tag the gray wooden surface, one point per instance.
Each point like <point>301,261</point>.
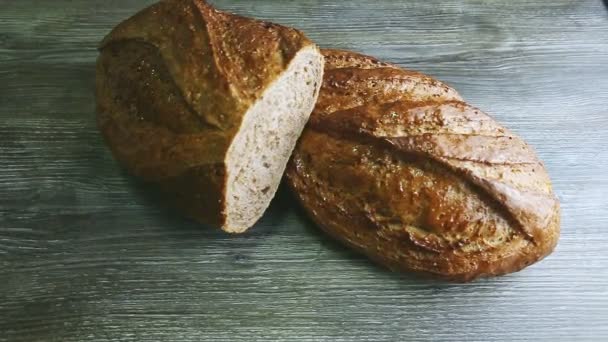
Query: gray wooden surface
<point>89,254</point>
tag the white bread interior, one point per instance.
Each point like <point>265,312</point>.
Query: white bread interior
<point>259,152</point>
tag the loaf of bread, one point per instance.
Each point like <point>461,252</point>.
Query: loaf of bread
<point>398,166</point>
<point>206,104</point>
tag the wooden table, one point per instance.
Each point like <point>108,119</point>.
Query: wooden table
<point>89,254</point>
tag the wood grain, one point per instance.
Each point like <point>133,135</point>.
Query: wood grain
<point>88,253</point>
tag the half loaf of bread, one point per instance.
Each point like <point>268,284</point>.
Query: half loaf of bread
<point>396,165</point>
<point>207,104</point>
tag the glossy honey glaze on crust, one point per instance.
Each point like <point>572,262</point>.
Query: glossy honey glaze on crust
<point>395,164</point>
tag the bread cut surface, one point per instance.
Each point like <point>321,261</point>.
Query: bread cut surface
<point>206,104</point>
<point>258,155</point>
<point>395,164</point>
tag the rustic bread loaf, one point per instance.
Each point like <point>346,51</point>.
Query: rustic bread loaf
<point>207,104</point>
<point>395,164</point>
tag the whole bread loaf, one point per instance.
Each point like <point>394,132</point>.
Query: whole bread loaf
<point>398,166</point>
<point>206,104</point>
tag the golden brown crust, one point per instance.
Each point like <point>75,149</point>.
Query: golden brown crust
<point>173,84</point>
<point>394,164</point>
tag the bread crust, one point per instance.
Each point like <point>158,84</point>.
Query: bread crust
<point>396,165</point>
<point>173,85</point>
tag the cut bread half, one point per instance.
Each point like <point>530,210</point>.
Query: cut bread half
<point>206,104</point>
